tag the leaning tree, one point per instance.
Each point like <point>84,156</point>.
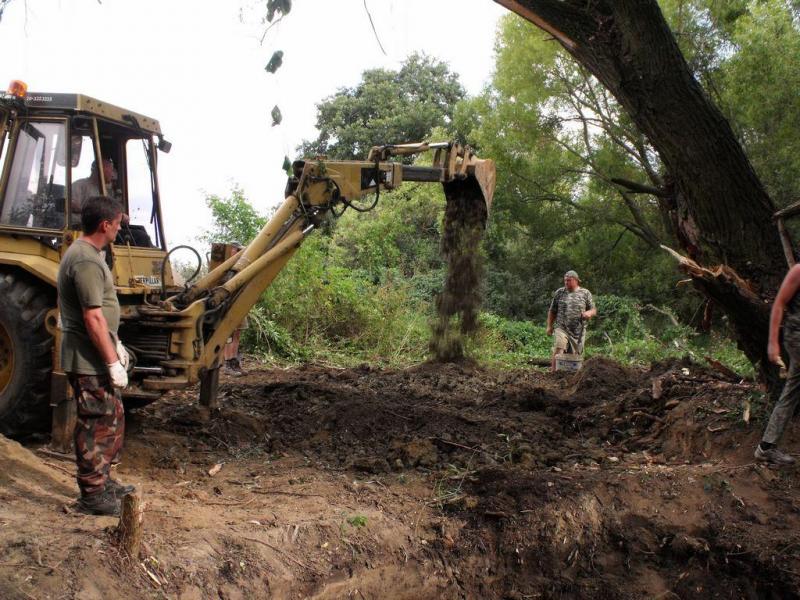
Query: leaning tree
<point>722,214</point>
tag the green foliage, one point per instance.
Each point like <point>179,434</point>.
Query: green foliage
<point>758,86</point>
<point>618,317</point>
<point>357,521</point>
<point>325,304</point>
<point>624,330</point>
<point>747,54</point>
<point>233,219</point>
<point>398,239</point>
<point>363,289</point>
<point>386,107</point>
<point>266,337</point>
<point>364,292</point>
<point>558,139</point>
<point>359,292</point>
<point>635,333</point>
<point>518,337</point>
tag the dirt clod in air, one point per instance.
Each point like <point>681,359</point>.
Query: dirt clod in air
<point>459,302</point>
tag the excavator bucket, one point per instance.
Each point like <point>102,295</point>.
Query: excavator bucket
<point>469,176</point>
<point>471,193</point>
<point>485,174</point>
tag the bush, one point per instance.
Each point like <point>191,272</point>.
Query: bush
<point>618,317</point>
<point>364,289</point>
<point>523,337</point>
<point>264,336</point>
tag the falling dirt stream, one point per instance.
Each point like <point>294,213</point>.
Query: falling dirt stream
<point>459,302</point>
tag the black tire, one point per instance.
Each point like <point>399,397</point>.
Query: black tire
<point>25,354</point>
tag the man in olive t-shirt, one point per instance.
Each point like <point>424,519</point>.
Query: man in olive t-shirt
<point>571,307</point>
<point>92,356</point>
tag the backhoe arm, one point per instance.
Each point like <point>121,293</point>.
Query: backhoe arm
<point>319,188</point>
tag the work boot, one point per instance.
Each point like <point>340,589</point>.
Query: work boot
<point>233,367</point>
<point>118,489</point>
<point>773,456</point>
<point>101,503</point>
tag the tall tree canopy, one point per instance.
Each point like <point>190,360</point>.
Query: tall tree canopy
<point>722,210</point>
<point>562,142</point>
<point>386,107</point>
<point>559,139</point>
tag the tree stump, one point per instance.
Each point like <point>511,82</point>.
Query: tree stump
<point>129,530</point>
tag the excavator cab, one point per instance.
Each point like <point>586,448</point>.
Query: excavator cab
<point>56,150</point>
<point>59,149</point>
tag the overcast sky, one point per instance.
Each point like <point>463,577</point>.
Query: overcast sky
<point>198,67</point>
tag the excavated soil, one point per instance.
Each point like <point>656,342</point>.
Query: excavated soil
<point>438,481</point>
<point>459,302</point>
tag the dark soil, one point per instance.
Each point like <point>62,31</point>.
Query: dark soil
<point>438,481</point>
<point>459,302</point>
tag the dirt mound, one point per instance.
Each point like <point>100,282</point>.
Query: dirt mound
<point>378,420</point>
<point>24,473</point>
<point>602,379</point>
<point>442,480</point>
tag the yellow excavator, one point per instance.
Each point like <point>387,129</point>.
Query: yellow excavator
<point>55,147</point>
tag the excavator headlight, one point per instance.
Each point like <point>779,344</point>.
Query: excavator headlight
<point>17,88</point>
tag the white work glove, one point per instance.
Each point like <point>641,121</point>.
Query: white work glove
<point>123,355</point>
<point>118,375</point>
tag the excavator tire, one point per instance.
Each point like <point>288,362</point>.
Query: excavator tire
<point>25,354</point>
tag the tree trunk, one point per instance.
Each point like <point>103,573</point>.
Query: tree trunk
<point>629,47</point>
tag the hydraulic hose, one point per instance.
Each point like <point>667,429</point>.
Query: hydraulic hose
<point>164,267</point>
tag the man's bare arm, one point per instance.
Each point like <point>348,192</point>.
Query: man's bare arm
<point>97,328</point>
<point>789,287</point>
<point>551,317</point>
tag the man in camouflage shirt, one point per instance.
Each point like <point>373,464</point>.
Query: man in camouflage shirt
<point>571,307</point>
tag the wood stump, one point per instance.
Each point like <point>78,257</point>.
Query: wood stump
<point>129,530</point>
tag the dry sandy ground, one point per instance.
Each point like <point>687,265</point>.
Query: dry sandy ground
<point>440,481</point>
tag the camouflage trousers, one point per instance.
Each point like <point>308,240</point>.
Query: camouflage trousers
<point>99,430</point>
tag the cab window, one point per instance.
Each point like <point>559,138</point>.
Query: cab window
<point>35,193</point>
<point>143,229</point>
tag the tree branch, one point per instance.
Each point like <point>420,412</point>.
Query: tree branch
<point>648,235</point>
<point>602,122</point>
<point>640,228</point>
<point>639,188</point>
<point>565,20</point>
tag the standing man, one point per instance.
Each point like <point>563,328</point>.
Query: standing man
<point>92,356</point>
<point>571,307</point>
<point>787,304</point>
<point>231,354</point>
